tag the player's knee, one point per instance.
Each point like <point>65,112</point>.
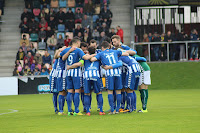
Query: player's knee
<point>99,93</point>
<point>88,94</point>
<point>110,91</point>
<point>118,91</point>
<point>71,90</point>
<point>78,91</point>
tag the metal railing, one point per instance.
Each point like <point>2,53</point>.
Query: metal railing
<point>166,43</point>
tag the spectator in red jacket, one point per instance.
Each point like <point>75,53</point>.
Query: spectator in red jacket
<point>120,33</point>
<point>43,24</point>
<point>30,58</point>
<point>67,41</point>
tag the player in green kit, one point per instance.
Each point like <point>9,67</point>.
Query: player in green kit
<point>144,82</point>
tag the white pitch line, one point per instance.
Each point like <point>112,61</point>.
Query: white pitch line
<point>12,111</point>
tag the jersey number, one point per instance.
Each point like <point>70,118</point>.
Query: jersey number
<point>70,59</point>
<point>111,59</point>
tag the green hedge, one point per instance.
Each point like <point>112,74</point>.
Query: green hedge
<point>181,75</point>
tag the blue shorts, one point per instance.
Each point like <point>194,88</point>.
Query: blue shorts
<point>123,80</point>
<point>92,84</point>
<point>61,84</point>
<point>114,82</point>
<point>52,83</point>
<point>73,82</point>
<point>132,80</point>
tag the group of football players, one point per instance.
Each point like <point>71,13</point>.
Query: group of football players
<point>79,68</point>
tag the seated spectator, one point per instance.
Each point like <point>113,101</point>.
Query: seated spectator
<point>95,34</point>
<point>70,25</point>
<point>85,22</point>
<point>106,14</point>
<point>27,71</point>
<point>38,58</point>
<point>33,65</point>
<point>26,14</point>
<point>60,17</point>
<point>46,58</point>
<point>88,8</point>
<point>102,37</point>
<point>104,28</point>
<point>28,3</point>
<point>60,42</point>
<point>30,58</point>
<point>43,24</point>
<point>88,31</point>
<point>24,26</point>
<point>78,16</point>
<point>79,3</point>
<point>107,22</point>
<point>51,42</point>
<point>70,15</point>
<point>44,4</point>
<point>20,54</point>
<point>33,26</point>
<point>24,47</point>
<point>33,49</point>
<point>112,32</point>
<point>86,38</point>
<point>52,23</point>
<point>42,35</point>
<point>43,14</point>
<point>24,40</point>
<point>52,12</point>
<point>77,30</point>
<point>67,40</point>
<point>44,72</point>
<point>30,50</point>
<point>36,71</point>
<point>120,33</point>
<point>80,36</point>
<point>49,32</point>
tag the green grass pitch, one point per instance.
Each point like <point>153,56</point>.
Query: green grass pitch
<point>174,107</point>
<point>170,111</point>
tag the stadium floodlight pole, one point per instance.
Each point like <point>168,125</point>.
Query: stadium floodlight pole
<point>132,23</point>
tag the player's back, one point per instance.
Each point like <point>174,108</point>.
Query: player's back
<point>91,69</point>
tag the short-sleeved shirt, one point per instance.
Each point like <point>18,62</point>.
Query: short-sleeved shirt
<point>144,65</point>
<point>109,57</point>
<point>73,57</point>
<point>91,69</point>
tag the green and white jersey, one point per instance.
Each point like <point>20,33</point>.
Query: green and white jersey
<point>144,65</point>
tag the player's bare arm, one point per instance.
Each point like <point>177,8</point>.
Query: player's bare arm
<point>75,65</point>
<point>57,54</point>
<point>88,57</point>
<point>67,54</point>
<point>131,52</point>
<point>125,54</point>
<point>93,59</point>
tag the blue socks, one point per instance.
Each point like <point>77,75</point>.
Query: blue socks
<point>98,106</point>
<point>114,95</point>
<point>69,101</point>
<point>82,99</point>
<point>90,100</point>
<point>111,101</point>
<point>130,102</point>
<point>119,99</point>
<point>87,103</point>
<point>123,100</point>
<point>55,101</point>
<point>61,101</point>
<point>100,102</point>
<point>134,100</point>
<point>76,102</point>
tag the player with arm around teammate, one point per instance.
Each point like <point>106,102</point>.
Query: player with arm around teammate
<point>113,76</point>
<point>74,75</point>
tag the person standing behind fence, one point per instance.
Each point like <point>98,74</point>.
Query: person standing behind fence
<point>194,46</point>
<point>156,47</point>
<point>169,38</point>
<point>182,37</point>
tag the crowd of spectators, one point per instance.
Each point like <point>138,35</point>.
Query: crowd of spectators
<point>47,25</point>
<point>177,51</point>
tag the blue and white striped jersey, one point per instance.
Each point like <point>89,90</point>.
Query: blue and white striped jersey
<point>73,57</point>
<point>131,64</point>
<point>109,57</point>
<point>60,70</point>
<point>54,67</point>
<point>91,69</point>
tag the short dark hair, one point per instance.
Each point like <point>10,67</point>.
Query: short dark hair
<point>83,44</point>
<point>91,50</point>
<point>75,40</point>
<point>107,39</point>
<point>105,44</point>
<point>92,41</point>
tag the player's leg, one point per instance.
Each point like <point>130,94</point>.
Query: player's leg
<point>87,89</point>
<point>55,101</point>
<point>118,88</point>
<point>52,82</point>
<point>123,99</point>
<point>82,99</point>
<point>143,88</point>
<point>110,87</point>
<point>137,78</point>
<point>98,87</point>
<point>70,93</point>
<point>61,98</point>
<point>77,87</point>
<point>115,99</point>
